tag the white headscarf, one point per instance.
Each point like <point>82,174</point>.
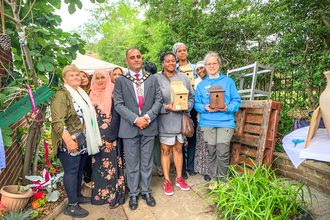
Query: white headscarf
<point>93,137</point>
<point>175,47</point>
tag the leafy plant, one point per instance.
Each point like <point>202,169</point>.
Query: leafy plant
<point>7,140</point>
<point>40,182</point>
<point>21,215</point>
<point>260,195</point>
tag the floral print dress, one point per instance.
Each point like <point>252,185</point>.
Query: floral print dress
<point>201,164</point>
<point>107,167</point>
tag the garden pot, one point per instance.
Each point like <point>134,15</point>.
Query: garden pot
<point>14,200</point>
<point>325,103</point>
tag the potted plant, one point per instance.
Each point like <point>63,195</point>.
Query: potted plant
<point>14,198</point>
<point>260,195</point>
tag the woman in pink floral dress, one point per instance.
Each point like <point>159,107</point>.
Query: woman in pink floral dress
<point>107,175</point>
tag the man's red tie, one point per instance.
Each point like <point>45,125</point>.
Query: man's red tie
<point>139,97</point>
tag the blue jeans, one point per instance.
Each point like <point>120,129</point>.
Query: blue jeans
<point>73,171</point>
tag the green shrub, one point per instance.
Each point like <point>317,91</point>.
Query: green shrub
<point>260,195</point>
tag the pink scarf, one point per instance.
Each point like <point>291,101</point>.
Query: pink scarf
<point>102,97</point>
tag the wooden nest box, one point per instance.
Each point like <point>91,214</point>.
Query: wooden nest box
<point>179,95</point>
<point>189,71</point>
<point>217,97</point>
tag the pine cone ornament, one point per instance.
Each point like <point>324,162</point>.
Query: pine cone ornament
<point>5,41</point>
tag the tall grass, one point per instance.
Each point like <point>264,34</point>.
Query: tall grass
<point>258,196</point>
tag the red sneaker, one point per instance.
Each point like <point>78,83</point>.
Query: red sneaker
<point>180,182</point>
<point>168,190</point>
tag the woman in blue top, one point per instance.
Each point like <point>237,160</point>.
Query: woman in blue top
<point>217,124</point>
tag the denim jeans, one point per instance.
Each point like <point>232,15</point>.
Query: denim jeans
<point>73,171</point>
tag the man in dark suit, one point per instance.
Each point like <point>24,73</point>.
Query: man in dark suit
<point>138,100</point>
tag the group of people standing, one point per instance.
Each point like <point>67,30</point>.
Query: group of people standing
<point>127,122</point>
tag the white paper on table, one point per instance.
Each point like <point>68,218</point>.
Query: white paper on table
<point>318,148</point>
<point>294,152</point>
<point>2,153</point>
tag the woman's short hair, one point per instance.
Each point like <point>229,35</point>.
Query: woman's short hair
<point>150,67</point>
<point>164,55</point>
<point>212,54</point>
<point>68,68</point>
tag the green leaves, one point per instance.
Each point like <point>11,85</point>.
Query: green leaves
<point>7,140</point>
<point>72,5</point>
<point>45,64</point>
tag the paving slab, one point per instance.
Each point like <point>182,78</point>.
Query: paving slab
<point>182,204</point>
<point>320,207</point>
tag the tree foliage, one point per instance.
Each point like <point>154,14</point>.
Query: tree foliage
<point>40,61</point>
<point>292,35</point>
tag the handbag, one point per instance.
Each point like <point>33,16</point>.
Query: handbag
<point>187,125</point>
<point>78,137</point>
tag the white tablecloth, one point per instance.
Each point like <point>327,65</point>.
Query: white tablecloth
<point>318,148</point>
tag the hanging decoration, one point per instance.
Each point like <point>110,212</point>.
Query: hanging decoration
<point>5,41</point>
<point>2,153</point>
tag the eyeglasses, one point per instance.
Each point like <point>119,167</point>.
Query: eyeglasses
<point>211,64</point>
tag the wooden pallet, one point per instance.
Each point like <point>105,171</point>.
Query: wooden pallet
<point>255,132</point>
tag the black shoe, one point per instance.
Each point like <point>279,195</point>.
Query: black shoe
<point>150,200</point>
<point>75,211</point>
<point>133,202</point>
<point>192,173</point>
<point>207,178</point>
<point>184,175</point>
<point>84,200</point>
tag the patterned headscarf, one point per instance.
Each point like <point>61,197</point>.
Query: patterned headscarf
<point>88,86</point>
<point>102,97</point>
<point>175,47</point>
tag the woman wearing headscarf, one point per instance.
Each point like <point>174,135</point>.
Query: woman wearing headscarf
<point>108,176</point>
<point>114,73</point>
<point>201,165</point>
<point>169,122</point>
<point>181,53</point>
<point>86,86</point>
<point>73,115</point>
<point>85,83</point>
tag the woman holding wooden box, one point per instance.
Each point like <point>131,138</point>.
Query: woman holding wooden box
<point>169,121</point>
<point>217,124</point>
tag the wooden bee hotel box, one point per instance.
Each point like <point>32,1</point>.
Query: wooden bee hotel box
<point>189,71</point>
<point>217,97</point>
<point>179,95</point>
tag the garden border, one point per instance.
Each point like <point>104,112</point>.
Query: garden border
<point>58,210</point>
<point>313,173</point>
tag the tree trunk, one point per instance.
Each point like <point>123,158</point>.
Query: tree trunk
<point>36,146</point>
<point>29,150</point>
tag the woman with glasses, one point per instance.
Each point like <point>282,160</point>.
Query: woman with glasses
<point>217,124</point>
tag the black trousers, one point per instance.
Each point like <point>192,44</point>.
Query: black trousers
<point>73,170</point>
